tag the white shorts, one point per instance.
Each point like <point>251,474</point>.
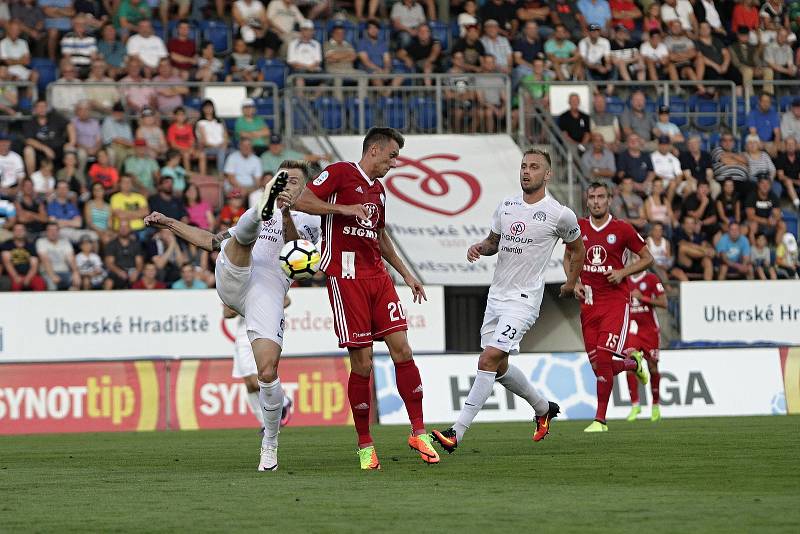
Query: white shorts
<point>256,296</point>
<point>244,363</point>
<point>505,323</point>
<point>20,72</point>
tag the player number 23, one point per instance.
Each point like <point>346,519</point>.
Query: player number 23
<point>396,311</point>
<point>510,332</point>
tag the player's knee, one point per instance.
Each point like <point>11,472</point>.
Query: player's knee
<point>362,368</point>
<point>489,360</point>
<point>402,353</point>
<point>268,373</point>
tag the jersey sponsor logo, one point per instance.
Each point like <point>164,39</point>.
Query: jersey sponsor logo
<point>319,180</point>
<point>374,215</point>
<point>612,238</point>
<point>596,255</point>
<point>360,232</point>
<point>511,203</point>
<point>540,216</point>
<point>517,228</point>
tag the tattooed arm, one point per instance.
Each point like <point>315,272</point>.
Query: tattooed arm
<point>487,247</point>
<point>191,234</point>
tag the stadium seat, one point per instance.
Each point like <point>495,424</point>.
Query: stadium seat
<point>441,32</point>
<point>424,113</point>
<point>352,105</point>
<point>158,28</point>
<point>726,105</point>
<point>265,106</point>
<point>210,189</point>
<point>713,141</point>
<point>330,113</point>
<point>792,223</point>
<point>677,111</point>
<point>615,105</point>
<point>274,70</point>
<point>193,102</point>
<point>320,33</point>
<point>395,114</point>
<point>785,102</point>
<point>455,30</point>
<point>710,110</point>
<point>301,122</point>
<point>48,72</point>
<point>218,34</point>
<point>650,106</point>
<point>400,68</point>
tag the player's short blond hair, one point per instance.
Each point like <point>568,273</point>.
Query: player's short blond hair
<point>299,164</point>
<point>538,152</point>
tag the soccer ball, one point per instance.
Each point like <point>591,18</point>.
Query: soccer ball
<point>299,259</point>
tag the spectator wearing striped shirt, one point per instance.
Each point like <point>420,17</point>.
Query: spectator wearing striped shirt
<point>79,47</point>
<point>758,160</point>
<point>729,164</point>
<point>498,46</point>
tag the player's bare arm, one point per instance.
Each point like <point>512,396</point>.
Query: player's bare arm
<point>309,203</point>
<point>569,259</point>
<point>573,263</point>
<point>487,247</point>
<point>191,234</point>
<point>659,301</point>
<point>228,313</point>
<point>390,255</point>
<point>645,260</point>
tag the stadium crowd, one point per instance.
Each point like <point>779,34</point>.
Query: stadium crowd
<point>80,168</point>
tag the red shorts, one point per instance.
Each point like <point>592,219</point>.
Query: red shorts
<point>605,326</point>
<point>645,338</point>
<point>365,309</point>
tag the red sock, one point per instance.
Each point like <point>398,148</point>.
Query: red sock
<point>605,381</point>
<point>633,387</point>
<point>617,366</point>
<point>360,396</point>
<point>655,379</point>
<point>409,385</point>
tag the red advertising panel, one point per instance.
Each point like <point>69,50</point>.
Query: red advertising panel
<point>81,397</point>
<point>206,396</point>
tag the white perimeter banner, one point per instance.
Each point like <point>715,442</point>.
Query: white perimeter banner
<point>440,200</point>
<point>51,326</point>
<point>741,311</point>
<point>693,383</point>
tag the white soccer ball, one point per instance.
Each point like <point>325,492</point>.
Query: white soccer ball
<point>299,259</point>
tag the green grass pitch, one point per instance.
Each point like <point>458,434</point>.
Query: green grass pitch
<point>690,475</point>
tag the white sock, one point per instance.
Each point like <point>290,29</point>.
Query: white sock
<point>514,381</point>
<point>480,391</point>
<point>271,397</point>
<point>247,228</point>
<point>255,405</point>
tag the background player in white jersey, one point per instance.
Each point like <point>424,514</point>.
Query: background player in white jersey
<point>251,281</point>
<point>525,229</point>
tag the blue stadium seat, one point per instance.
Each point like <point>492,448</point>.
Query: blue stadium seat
<point>158,27</point>
<point>704,105</point>
<point>650,106</point>
<point>193,102</point>
<point>48,72</point>
<point>353,105</point>
<point>455,30</point>
<point>424,113</point>
<point>792,223</point>
<point>218,33</point>
<point>786,102</point>
<point>330,113</point>
<point>274,70</point>
<point>395,114</point>
<point>301,122</point>
<point>615,105</point>
<point>441,32</point>
<point>713,140</point>
<point>320,33</point>
<point>400,68</point>
<point>726,105</point>
<point>677,111</point>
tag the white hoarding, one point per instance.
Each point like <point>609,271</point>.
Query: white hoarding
<point>693,383</point>
<point>120,324</point>
<point>741,311</point>
<point>440,200</point>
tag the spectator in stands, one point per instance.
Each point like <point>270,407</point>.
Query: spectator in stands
<point>142,166</point>
<point>469,50</point>
<point>713,60</point>
<point>628,206</point>
<point>652,18</point>
<point>598,162</point>
<point>150,130</point>
<point>763,212</point>
<point>461,98</point>
<point>565,12</point>
<point>279,152</point>
<point>252,127</point>
<point>112,50</point>
<point>682,11</point>
<point>209,67</point>
<point>658,207</point>
<point>117,135</point>
<point>727,163</point>
<point>786,258</point>
<point>745,16</point>
<point>596,56</point>
<point>372,9</point>
<point>44,182</point>
<point>83,134</point>
<point>304,55</point>
<point>79,47</point>
<point>748,60</point>
<point>128,205</point>
<point>148,279</point>
<point>733,253</point>
<point>406,17</point>
<point>167,202</point>
<point>242,168</point>
<point>694,252</point>
<point>635,119</point>
<point>180,137</point>
<point>788,170</point>
<point>97,213</point>
<point>422,54</point>
<point>15,52</point>
<point>701,207</point>
<point>764,122</point>
<point>103,172</point>
<point>637,164</point>
<point>138,94</point>
<point>605,123</point>
<point>761,256</point>
<point>696,165</point>
<point>30,208</point>
<point>57,260</point>
<point>625,14</point>
<point>31,21</point>
<point>70,173</point>
<point>656,56</point>
<point>373,53</point>
<point>212,137</point>
<point>790,121</point>
<point>198,211</point>
<point>682,53</point>
<point>758,161</point>
<point>63,210</point>
<point>283,15</point>
<point>102,97</point>
<point>502,12</point>
<point>661,249</point>
<point>663,126</point>
<point>594,12</point>
<point>625,55</point>
<point>233,209</point>
<point>166,254</point>
<point>169,98</point>
<point>243,65</point>
<point>123,259</point>
<point>563,54</point>
<point>729,206</point>
<point>20,262</point>
<point>252,25</point>
<point>188,280</point>
<point>69,90</point>
<point>526,49</point>
<point>534,85</point>
<point>574,124</point>
<point>146,46</point>
<point>182,50</point>
<point>9,96</point>
<point>57,21</point>
<point>7,218</point>
<point>536,11</point>
<point>339,58</point>
<point>779,57</point>
<point>129,14</point>
<point>90,266</point>
<point>491,96</point>
<point>497,45</point>
<point>174,170</point>
<point>12,170</point>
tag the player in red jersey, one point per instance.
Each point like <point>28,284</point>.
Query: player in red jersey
<point>604,294</point>
<point>647,294</point>
<point>365,304</point>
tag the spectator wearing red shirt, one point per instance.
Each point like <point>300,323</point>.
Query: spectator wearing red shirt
<point>103,172</point>
<point>624,13</point>
<point>183,50</point>
<point>745,14</point>
<point>233,208</point>
<point>180,137</point>
<point>148,279</point>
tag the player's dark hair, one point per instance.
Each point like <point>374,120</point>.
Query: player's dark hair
<point>599,185</point>
<point>382,136</point>
<point>538,152</point>
<point>296,164</point>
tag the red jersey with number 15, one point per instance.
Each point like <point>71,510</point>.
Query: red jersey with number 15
<point>351,246</point>
<point>605,251</point>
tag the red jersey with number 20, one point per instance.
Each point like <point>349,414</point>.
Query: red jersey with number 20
<point>605,251</point>
<point>650,286</point>
<point>351,246</point>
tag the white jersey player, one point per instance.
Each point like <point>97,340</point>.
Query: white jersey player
<point>524,231</point>
<point>251,281</point>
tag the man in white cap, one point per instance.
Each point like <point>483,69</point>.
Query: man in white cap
<point>304,54</point>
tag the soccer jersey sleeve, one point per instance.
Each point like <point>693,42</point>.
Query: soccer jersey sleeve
<point>325,183</point>
<point>308,226</point>
<point>567,226</point>
<point>496,227</point>
<point>633,241</point>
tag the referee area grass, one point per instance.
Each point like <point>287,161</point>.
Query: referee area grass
<point>693,475</point>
